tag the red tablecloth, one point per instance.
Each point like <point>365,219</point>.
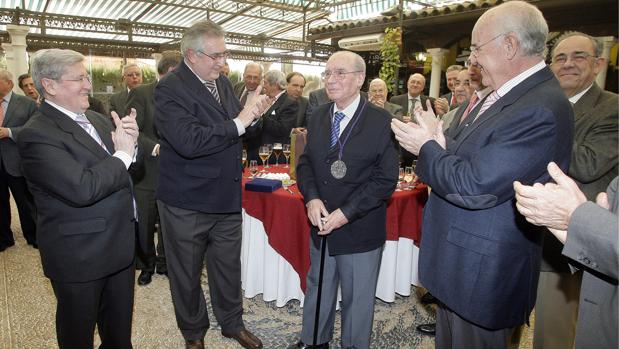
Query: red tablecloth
<point>285,220</point>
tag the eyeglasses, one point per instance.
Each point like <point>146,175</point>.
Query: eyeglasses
<point>337,74</point>
<point>576,57</point>
<point>81,79</point>
<point>475,49</point>
<point>469,64</point>
<point>215,56</point>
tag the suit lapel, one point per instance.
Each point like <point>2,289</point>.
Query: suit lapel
<point>508,99</point>
<point>69,125</point>
<point>586,102</point>
<point>103,132</point>
<point>12,106</point>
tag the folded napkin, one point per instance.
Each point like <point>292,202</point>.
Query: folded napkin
<point>263,185</point>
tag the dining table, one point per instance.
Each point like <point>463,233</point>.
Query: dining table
<point>275,245</point>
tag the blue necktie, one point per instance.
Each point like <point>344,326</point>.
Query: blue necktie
<point>335,127</point>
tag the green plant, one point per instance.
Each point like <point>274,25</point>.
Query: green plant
<point>390,57</point>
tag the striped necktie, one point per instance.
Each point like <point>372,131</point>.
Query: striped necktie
<point>335,127</point>
<point>213,89</point>
<point>84,123</point>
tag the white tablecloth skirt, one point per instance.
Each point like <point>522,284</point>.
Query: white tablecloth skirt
<point>265,272</point>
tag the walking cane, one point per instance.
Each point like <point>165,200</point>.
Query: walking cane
<point>323,247</point>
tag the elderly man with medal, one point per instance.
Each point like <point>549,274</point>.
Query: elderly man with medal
<point>347,173</point>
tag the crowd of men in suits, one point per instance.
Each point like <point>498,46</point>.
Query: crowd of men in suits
<point>490,150</point>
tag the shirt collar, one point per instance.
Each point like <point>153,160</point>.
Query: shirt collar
<point>483,93</point>
<point>194,73</point>
<point>65,111</point>
<point>7,98</point>
<point>577,96</point>
<point>350,110</point>
<point>513,82</point>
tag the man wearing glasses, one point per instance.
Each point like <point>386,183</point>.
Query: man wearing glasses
<point>346,180</point>
<point>199,185</point>
<point>576,61</point>
<point>479,257</point>
<point>132,78</point>
<point>252,77</point>
<point>77,171</point>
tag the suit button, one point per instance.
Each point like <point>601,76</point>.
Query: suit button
<point>324,201</point>
<point>324,182</point>
<point>236,179</point>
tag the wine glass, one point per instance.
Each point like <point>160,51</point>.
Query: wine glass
<point>253,168</point>
<point>270,151</point>
<point>244,158</point>
<point>286,149</point>
<point>408,177</point>
<point>400,179</point>
<point>277,149</point>
<point>263,152</point>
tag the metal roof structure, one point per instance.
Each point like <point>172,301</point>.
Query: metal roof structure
<point>257,29</point>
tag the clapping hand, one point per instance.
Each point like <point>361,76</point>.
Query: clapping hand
<point>255,107</point>
<point>125,136</point>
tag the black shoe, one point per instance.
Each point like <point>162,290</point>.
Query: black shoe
<point>429,329</point>
<point>428,298</point>
<point>301,345</point>
<point>145,278</point>
<point>162,270</point>
<point>194,344</point>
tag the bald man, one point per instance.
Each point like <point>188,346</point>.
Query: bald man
<point>377,95</point>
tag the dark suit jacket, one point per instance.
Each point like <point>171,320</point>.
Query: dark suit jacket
<point>402,100</point>
<point>301,117</point>
<point>19,110</point>
<point>142,99</point>
<point>273,127</point>
<point>478,255</point>
<point>593,242</point>
<point>97,106</point>
<point>316,98</point>
<point>85,217</point>
<point>372,172</point>
<point>394,109</point>
<point>200,156</point>
<point>594,157</point>
<point>239,87</point>
<point>118,102</point>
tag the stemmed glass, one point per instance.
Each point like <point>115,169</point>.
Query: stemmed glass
<point>408,177</point>
<point>253,168</point>
<point>286,150</point>
<point>244,158</point>
<point>400,179</point>
<point>270,151</point>
<point>263,152</point>
<point>277,149</point>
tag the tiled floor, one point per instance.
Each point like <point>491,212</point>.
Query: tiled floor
<point>27,308</point>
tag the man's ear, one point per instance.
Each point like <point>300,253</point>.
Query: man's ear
<point>49,87</point>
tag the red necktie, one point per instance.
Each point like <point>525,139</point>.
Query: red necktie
<point>453,101</point>
<point>472,103</point>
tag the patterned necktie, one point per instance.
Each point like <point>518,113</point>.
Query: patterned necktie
<point>335,127</point>
<point>453,100</point>
<point>412,105</point>
<point>213,88</point>
<point>470,107</point>
<point>84,123</point>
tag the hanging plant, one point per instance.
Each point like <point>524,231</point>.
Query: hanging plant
<point>390,57</point>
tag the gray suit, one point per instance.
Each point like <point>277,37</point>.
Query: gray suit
<point>118,102</point>
<point>301,116</point>
<point>593,165</point>
<point>17,113</point>
<point>145,179</point>
<point>394,109</point>
<point>402,100</point>
<point>593,242</point>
